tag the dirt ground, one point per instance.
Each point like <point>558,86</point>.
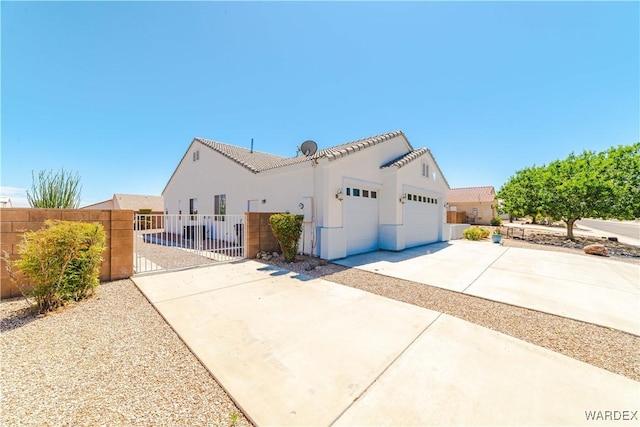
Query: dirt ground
<point>555,238</point>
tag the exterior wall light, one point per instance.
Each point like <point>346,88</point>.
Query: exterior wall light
<point>340,194</point>
<point>403,199</point>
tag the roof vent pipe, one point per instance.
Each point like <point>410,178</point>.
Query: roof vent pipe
<point>251,145</point>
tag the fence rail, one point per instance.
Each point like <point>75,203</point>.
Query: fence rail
<point>171,242</point>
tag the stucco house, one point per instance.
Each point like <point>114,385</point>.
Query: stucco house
<point>374,193</point>
<point>133,202</point>
<point>478,203</point>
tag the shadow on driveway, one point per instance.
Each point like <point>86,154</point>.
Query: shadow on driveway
<point>392,256</point>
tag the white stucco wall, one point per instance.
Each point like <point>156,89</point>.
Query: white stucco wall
<point>311,183</point>
<point>408,179</point>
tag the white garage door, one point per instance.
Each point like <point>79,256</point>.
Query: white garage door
<point>421,219</point>
<point>361,219</point>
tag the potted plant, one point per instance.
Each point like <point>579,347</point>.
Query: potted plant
<point>497,235</point>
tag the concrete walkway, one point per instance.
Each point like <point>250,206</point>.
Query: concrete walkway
<point>291,350</point>
<point>587,288</point>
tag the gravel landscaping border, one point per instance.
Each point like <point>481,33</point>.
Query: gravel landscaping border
<point>109,360</point>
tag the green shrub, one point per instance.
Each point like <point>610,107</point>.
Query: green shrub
<point>61,261</point>
<point>475,233</point>
<point>287,228</point>
<point>496,221</point>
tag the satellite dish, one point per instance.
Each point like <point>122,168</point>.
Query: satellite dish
<point>309,148</point>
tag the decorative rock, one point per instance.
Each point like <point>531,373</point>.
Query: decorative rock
<point>275,254</point>
<point>596,250</point>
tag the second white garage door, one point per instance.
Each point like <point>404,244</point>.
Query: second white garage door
<point>360,215</point>
<point>421,219</point>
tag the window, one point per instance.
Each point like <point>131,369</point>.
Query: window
<point>425,170</point>
<point>193,207</point>
<point>435,201</point>
<point>196,155</point>
<point>356,192</point>
<point>419,198</point>
<point>219,206</point>
<point>374,195</point>
<point>365,193</point>
<point>348,191</point>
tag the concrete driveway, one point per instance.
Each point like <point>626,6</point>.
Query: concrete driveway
<point>291,350</point>
<point>587,288</point>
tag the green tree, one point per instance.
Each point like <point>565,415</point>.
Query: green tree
<point>574,188</point>
<point>587,185</point>
<point>621,169</point>
<point>521,194</point>
<point>56,190</point>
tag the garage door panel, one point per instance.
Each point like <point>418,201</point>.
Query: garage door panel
<point>361,222</point>
<point>421,220</point>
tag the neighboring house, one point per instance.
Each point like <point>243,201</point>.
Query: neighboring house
<point>5,202</point>
<point>375,193</point>
<point>478,203</point>
<point>132,202</point>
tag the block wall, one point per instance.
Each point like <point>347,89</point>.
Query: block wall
<point>117,258</point>
<point>259,235</point>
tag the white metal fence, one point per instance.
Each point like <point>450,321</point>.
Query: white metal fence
<point>171,242</point>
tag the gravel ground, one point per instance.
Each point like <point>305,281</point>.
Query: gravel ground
<point>109,360</point>
<point>603,347</point>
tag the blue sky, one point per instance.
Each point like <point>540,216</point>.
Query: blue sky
<point>117,90</point>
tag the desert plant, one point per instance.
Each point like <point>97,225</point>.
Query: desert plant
<point>475,233</point>
<point>287,229</point>
<point>496,221</point>
<point>60,262</point>
<point>59,190</point>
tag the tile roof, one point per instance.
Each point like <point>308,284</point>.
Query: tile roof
<point>412,155</point>
<point>405,159</point>
<point>471,195</point>
<point>338,151</point>
<point>257,161</point>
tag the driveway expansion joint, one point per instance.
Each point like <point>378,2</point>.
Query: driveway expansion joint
<point>391,363</point>
<point>484,271</point>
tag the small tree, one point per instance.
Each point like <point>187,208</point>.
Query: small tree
<point>287,228</point>
<point>55,190</point>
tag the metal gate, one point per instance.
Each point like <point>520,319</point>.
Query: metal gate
<point>173,242</point>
